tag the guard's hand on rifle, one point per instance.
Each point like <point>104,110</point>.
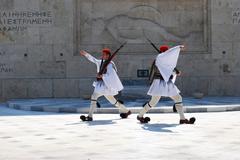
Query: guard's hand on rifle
<point>182,47</point>
<point>99,76</point>
<point>83,53</point>
<point>179,73</point>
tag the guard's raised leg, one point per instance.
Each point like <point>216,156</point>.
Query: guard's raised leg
<point>124,112</point>
<point>179,107</point>
<point>146,107</point>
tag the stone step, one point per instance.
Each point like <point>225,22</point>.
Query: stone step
<point>82,106</point>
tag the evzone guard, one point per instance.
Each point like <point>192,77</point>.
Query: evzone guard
<point>162,77</point>
<point>107,84</point>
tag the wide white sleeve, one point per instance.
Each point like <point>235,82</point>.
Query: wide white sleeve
<point>111,79</point>
<point>167,61</point>
<point>91,58</point>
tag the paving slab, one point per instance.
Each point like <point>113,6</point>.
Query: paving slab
<point>28,135</point>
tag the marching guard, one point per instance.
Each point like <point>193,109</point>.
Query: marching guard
<point>162,77</point>
<point>107,84</point>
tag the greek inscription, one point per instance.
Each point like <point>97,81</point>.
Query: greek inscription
<point>4,68</point>
<point>21,20</point>
<point>236,16</point>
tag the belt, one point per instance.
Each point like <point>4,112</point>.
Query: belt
<point>161,77</point>
<point>99,79</point>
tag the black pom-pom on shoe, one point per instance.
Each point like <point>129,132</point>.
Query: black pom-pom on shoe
<point>147,119</point>
<point>192,120</point>
<point>84,118</point>
<point>143,119</point>
<point>125,115</point>
<point>186,121</point>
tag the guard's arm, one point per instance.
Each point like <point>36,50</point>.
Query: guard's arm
<point>89,56</point>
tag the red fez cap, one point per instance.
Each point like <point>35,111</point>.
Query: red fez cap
<point>164,48</point>
<point>106,50</point>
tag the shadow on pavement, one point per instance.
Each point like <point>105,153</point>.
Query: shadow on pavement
<point>96,122</point>
<point>159,127</point>
<point>101,122</point>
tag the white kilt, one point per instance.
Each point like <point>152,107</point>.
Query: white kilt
<point>102,89</point>
<point>162,88</point>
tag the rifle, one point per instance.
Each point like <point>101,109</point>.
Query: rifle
<point>153,45</point>
<point>107,62</point>
<point>151,76</point>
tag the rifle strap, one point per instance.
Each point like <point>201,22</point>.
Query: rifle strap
<point>101,65</point>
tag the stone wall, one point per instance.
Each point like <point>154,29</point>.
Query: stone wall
<point>40,40</point>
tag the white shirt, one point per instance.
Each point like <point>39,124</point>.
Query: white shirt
<point>111,83</point>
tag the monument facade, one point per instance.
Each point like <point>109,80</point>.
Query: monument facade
<point>40,42</point>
